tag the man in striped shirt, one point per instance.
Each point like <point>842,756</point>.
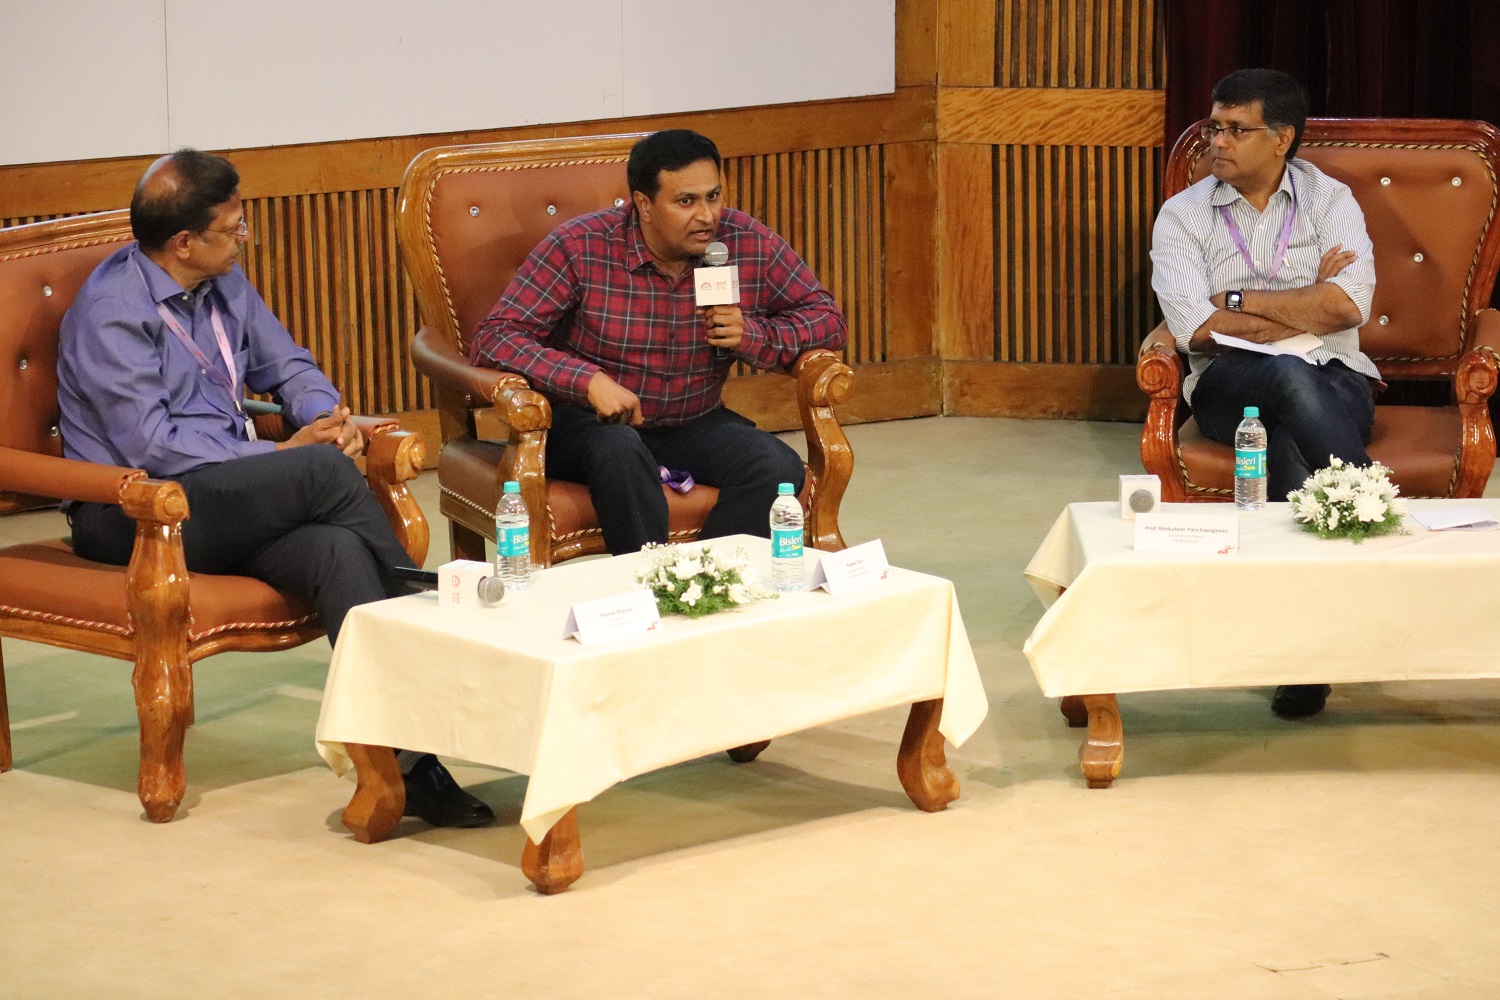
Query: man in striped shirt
<point>602,319</point>
<point>1266,248</point>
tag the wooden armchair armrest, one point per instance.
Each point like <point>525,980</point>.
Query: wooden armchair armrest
<point>393,458</point>
<point>1158,371</point>
<point>67,478</point>
<point>823,381</point>
<point>435,356</point>
<point>1473,384</point>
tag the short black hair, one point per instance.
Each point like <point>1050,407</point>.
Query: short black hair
<point>182,193</point>
<point>669,149</point>
<point>1283,99</point>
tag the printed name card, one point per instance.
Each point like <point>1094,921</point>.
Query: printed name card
<point>1214,534</point>
<point>609,618</point>
<point>857,566</point>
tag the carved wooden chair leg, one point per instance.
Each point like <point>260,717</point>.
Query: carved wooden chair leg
<point>189,699</point>
<point>921,764</point>
<point>379,793</point>
<point>162,781</point>
<point>6,762</point>
<point>748,752</point>
<point>465,541</point>
<point>557,862</point>
<point>1074,711</point>
<point>1103,751</point>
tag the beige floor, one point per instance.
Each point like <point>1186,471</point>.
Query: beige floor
<point>1354,855</point>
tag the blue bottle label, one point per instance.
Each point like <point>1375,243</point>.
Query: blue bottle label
<point>786,543</point>
<point>513,541</point>
<point>1250,463</point>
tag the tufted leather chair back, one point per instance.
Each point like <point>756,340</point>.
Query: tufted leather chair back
<point>476,233</point>
<point>42,266</point>
<point>1428,190</point>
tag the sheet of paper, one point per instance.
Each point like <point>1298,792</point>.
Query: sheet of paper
<point>1455,519</point>
<point>1301,345</point>
<point>1211,534</point>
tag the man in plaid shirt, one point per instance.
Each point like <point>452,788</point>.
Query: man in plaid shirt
<point>602,319</point>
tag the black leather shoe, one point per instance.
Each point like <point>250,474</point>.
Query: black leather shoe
<point>1298,701</point>
<point>433,795</point>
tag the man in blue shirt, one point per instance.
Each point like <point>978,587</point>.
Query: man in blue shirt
<point>154,358</point>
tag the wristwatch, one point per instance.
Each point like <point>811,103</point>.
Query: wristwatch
<point>1234,301</point>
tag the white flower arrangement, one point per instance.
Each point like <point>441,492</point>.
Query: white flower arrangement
<point>695,580</point>
<point>1348,501</point>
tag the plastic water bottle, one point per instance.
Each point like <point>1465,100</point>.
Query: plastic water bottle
<point>512,538</point>
<point>786,540</point>
<point>1250,461</point>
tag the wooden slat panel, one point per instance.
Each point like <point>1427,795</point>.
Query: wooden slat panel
<point>368,164</point>
<point>1071,253</point>
<point>1077,43</point>
<point>966,43</point>
<point>1049,117</point>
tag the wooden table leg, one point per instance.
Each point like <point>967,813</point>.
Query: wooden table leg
<point>379,793</point>
<point>921,764</point>
<point>557,862</point>
<point>1104,750</point>
<point>748,752</point>
<point>1074,710</point>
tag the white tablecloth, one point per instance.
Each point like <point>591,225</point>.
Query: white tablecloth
<point>1288,608</point>
<point>500,686</point>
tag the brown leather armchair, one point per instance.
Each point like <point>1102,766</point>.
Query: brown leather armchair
<point>468,218</point>
<point>152,612</point>
<point>1428,190</point>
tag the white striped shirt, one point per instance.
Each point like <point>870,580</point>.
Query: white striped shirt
<point>1193,256</point>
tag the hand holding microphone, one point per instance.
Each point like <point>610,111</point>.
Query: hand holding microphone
<point>717,287</point>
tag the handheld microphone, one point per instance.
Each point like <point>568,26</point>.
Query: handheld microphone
<point>491,589</point>
<point>717,284</point>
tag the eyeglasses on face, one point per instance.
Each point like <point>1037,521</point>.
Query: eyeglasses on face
<point>238,232</point>
<point>1211,131</point>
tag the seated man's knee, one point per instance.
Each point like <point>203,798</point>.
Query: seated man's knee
<point>617,451</point>
<point>774,462</point>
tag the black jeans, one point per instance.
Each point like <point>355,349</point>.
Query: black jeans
<point>619,464</point>
<point>1310,411</point>
<point>303,520</point>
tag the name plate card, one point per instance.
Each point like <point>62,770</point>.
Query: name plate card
<point>857,566</point>
<point>626,616</point>
<point>1212,534</point>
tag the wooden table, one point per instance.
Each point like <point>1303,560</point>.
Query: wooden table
<point>1289,608</point>
<point>502,687</point>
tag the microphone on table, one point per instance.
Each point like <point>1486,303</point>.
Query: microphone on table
<point>717,283</point>
<point>491,588</point>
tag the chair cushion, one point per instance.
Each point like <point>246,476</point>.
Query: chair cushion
<point>46,581</point>
<point>1419,444</point>
<point>467,473</point>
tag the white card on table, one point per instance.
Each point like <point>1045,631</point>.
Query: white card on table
<point>1215,534</point>
<point>630,614</point>
<point>1455,519</point>
<point>856,566</point>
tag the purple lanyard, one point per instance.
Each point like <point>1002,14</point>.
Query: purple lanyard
<point>225,379</point>
<point>1282,242</point>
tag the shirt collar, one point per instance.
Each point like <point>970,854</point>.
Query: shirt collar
<point>637,255</point>
<point>1227,194</point>
<point>162,287</point>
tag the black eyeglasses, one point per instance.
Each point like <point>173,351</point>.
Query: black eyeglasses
<point>1210,131</point>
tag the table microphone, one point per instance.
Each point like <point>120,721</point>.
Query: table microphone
<point>717,284</point>
<point>491,588</point>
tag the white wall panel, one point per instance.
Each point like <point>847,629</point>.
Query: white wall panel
<point>81,79</point>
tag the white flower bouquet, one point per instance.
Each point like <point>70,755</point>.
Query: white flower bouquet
<point>696,581</point>
<point>1348,501</point>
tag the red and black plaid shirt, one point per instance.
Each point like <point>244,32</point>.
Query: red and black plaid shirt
<point>589,299</point>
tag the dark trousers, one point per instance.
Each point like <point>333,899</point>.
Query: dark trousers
<point>620,466</point>
<point>302,519</point>
<point>1311,412</point>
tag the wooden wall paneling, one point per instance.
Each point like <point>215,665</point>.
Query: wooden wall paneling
<point>1051,116</point>
<point>965,252</point>
<point>916,43</point>
<point>1044,391</point>
<point>966,43</point>
<point>909,236</point>
<point>1078,44</point>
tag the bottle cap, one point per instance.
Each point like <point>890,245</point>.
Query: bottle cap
<point>785,490</point>
<point>1252,411</point>
<point>512,486</point>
